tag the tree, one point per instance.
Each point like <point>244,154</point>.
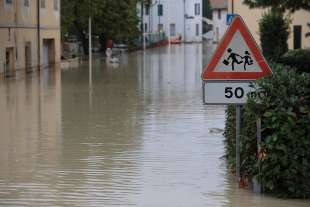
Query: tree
<point>274,32</point>
<point>282,5</point>
<point>207,13</point>
<point>115,20</point>
<point>206,9</point>
<point>120,22</point>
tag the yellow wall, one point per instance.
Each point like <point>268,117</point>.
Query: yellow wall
<point>252,17</point>
<point>18,25</point>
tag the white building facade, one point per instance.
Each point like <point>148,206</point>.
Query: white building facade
<point>219,14</point>
<point>174,18</point>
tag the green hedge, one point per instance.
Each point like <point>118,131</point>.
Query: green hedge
<point>299,59</point>
<point>285,157</point>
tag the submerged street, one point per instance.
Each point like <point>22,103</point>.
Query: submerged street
<point>135,134</point>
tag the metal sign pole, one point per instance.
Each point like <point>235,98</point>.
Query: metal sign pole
<point>238,127</point>
<point>257,186</point>
<point>204,92</point>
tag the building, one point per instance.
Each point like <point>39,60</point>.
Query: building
<point>219,13</point>
<point>174,18</point>
<point>299,27</point>
<point>29,34</point>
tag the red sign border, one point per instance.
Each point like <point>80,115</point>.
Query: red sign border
<point>237,24</point>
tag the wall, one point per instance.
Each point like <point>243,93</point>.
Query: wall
<point>173,13</point>
<point>191,23</point>
<point>18,25</point>
<point>219,23</point>
<point>252,17</point>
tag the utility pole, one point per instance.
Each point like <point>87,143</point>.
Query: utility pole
<point>90,56</point>
<point>238,128</point>
<point>184,20</point>
<point>142,25</point>
<point>38,34</point>
<point>90,42</point>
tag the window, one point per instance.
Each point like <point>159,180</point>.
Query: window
<point>26,3</point>
<point>56,5</point>
<point>147,10</point>
<point>8,4</point>
<point>219,15</point>
<point>197,30</point>
<point>172,30</point>
<point>42,2</point>
<point>145,27</point>
<point>197,9</point>
<point>297,36</point>
<point>160,10</point>
<point>160,27</point>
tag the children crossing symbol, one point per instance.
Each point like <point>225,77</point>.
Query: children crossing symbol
<point>235,58</point>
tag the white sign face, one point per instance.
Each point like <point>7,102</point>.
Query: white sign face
<point>237,57</point>
<point>228,92</point>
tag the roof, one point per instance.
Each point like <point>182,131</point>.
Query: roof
<point>219,4</point>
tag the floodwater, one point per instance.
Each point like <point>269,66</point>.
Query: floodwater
<point>135,134</point>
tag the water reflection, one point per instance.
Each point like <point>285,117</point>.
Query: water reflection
<point>30,136</point>
<point>102,136</point>
<point>137,136</point>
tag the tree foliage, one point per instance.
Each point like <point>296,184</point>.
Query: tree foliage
<point>282,165</point>
<point>299,59</point>
<point>115,19</point>
<point>206,9</point>
<point>291,5</point>
<point>274,33</point>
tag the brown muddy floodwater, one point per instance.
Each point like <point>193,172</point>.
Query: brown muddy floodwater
<point>137,134</point>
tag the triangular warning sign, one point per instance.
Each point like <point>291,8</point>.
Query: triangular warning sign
<point>237,57</point>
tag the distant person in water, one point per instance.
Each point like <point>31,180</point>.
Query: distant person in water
<point>234,57</point>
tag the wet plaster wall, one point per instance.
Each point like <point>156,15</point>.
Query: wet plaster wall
<point>18,26</point>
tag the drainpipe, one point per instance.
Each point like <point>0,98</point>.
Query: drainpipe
<point>15,38</point>
<point>38,34</point>
<point>232,6</point>
<point>159,15</point>
<point>150,18</point>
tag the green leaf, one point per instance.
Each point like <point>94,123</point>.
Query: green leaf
<point>267,114</point>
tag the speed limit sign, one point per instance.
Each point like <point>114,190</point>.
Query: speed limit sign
<point>228,92</point>
<point>235,65</point>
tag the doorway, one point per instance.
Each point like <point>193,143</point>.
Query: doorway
<point>297,36</point>
<point>28,57</point>
<point>172,30</point>
<point>9,62</point>
<point>48,52</point>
